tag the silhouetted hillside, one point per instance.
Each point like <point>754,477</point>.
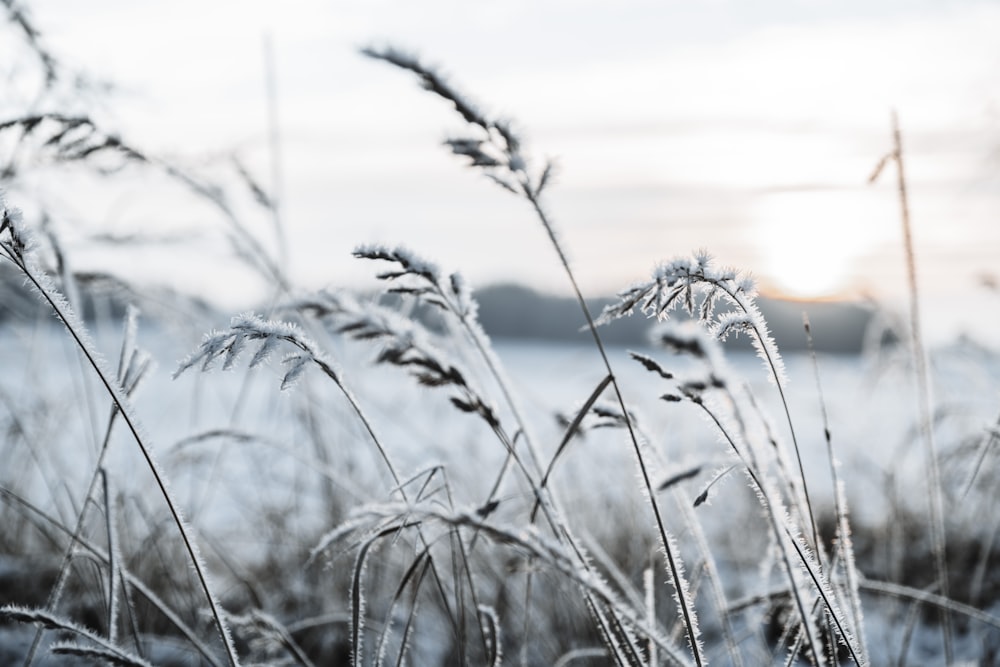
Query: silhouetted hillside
<point>515,311</point>
<point>101,297</point>
<point>505,311</point>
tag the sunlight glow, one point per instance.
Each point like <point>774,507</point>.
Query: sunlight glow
<point>814,242</point>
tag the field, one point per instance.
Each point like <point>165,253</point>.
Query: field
<point>263,475</point>
<point>346,478</point>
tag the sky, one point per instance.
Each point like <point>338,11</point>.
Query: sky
<point>748,129</point>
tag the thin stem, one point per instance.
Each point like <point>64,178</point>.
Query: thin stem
<point>113,564</point>
<point>126,412</point>
<point>771,510</point>
<point>772,363</point>
<point>924,400</point>
<point>28,509</point>
<point>690,626</point>
<point>840,506</point>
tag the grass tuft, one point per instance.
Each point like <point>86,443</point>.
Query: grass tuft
<point>368,483</point>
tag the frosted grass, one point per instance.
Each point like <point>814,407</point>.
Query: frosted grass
<point>417,495</point>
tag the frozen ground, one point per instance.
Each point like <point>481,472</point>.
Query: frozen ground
<point>239,452</point>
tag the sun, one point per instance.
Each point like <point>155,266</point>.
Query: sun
<point>813,242</point>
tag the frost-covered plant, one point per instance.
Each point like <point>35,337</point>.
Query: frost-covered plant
<point>405,344</point>
<point>269,335</point>
<point>96,647</point>
<point>715,393</point>
<point>17,246</point>
<point>696,285</point>
<point>450,297</point>
<point>230,344</point>
<point>419,548</point>
<point>382,522</point>
<point>495,149</point>
<point>699,287</point>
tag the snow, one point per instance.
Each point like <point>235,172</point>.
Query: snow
<point>240,452</point>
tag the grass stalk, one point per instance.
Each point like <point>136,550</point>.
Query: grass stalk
<point>846,548</point>
<point>779,530</point>
<point>672,561</point>
<point>14,251</point>
<point>508,169</point>
<point>129,375</point>
<point>114,559</point>
<point>130,579</point>
<point>924,391</point>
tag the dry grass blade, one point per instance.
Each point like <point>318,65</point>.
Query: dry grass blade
<point>679,477</point>
<point>53,622</point>
<point>358,599</point>
<point>115,559</point>
<point>579,654</point>
<point>431,81</point>
<point>491,628</point>
<point>990,442</point>
<point>924,400</point>
<point>145,591</point>
<point>415,572</point>
<point>778,523</point>
<point>574,428</point>
<point>98,654</point>
<point>846,547</point>
<point>15,250</point>
<point>553,554</point>
<point>512,172</point>
<point>702,497</point>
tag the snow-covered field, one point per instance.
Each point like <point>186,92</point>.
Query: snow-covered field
<point>262,474</point>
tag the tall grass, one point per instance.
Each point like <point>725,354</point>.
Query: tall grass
<point>924,395</point>
<point>454,526</point>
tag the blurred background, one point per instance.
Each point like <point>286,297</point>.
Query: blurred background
<point>748,130</point>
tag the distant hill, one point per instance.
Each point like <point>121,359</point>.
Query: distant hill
<point>505,311</point>
<point>515,311</point>
<point>101,297</point>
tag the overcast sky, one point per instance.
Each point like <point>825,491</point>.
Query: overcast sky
<point>749,129</point>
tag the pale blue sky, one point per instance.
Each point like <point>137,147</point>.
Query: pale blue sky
<point>746,128</point>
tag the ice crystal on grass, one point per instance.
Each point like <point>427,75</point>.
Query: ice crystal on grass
<point>244,329</point>
<point>101,648</point>
<point>493,146</point>
<point>693,283</point>
<point>20,240</point>
<point>382,520</point>
<point>423,280</point>
<point>409,263</point>
<point>14,248</point>
<point>490,622</point>
<point>98,655</point>
<point>405,342</point>
<point>430,80</point>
